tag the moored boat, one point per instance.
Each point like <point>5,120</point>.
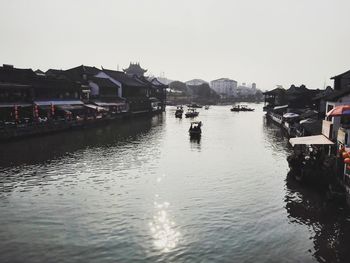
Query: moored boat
<point>194,105</point>
<point>191,113</point>
<point>241,108</point>
<point>206,107</point>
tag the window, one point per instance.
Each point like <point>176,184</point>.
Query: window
<point>329,107</point>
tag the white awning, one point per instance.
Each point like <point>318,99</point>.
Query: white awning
<point>70,107</point>
<point>58,102</point>
<point>97,108</point>
<point>280,107</point>
<point>107,104</point>
<point>311,140</point>
<point>12,105</point>
<point>153,99</point>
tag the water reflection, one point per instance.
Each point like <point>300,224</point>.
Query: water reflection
<point>142,191</point>
<point>195,142</point>
<point>328,221</point>
<point>163,229</point>
<point>51,147</point>
<point>43,158</point>
<point>275,136</point>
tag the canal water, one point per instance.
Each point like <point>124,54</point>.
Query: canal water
<point>142,191</point>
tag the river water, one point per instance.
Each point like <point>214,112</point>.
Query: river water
<point>142,191</point>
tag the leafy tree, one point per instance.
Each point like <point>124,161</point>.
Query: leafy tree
<point>178,85</point>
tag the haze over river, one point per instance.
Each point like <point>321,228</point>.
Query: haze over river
<point>142,191</point>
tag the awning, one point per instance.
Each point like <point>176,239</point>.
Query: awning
<point>307,121</point>
<point>108,104</point>
<point>97,108</point>
<point>70,107</point>
<point>12,105</point>
<point>153,99</point>
<point>339,111</point>
<point>58,102</point>
<point>280,107</point>
<point>311,140</point>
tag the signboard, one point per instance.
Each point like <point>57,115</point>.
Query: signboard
<point>341,136</point>
<point>327,129</point>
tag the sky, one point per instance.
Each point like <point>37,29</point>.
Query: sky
<point>270,42</point>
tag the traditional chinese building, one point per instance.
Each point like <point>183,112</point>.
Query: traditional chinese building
<point>135,70</point>
<point>135,92</point>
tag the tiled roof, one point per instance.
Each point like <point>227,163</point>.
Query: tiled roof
<point>16,75</point>
<point>341,75</point>
<point>123,78</point>
<point>274,91</point>
<point>104,82</point>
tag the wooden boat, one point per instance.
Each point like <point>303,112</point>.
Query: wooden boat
<point>195,129</point>
<point>191,113</point>
<point>241,108</point>
<point>179,111</point>
<point>206,107</point>
<point>194,105</point>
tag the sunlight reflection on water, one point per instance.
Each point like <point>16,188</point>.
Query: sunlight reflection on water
<point>163,228</point>
<point>165,236</point>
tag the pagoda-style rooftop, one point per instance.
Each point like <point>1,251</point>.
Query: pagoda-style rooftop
<point>135,69</point>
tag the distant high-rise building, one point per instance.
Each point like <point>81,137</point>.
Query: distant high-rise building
<point>224,86</point>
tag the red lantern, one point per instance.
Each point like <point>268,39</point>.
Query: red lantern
<point>347,160</point>
<point>36,111</point>
<point>345,155</point>
<point>341,150</point>
<point>52,109</point>
<point>16,113</point>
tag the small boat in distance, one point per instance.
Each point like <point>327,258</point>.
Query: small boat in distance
<point>241,108</point>
<point>206,107</point>
<point>195,129</point>
<point>194,105</point>
<point>191,113</point>
<point>179,111</point>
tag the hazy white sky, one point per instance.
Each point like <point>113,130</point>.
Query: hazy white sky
<point>269,42</point>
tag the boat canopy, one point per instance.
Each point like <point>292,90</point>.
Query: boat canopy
<point>311,140</point>
<point>280,107</point>
<point>290,115</point>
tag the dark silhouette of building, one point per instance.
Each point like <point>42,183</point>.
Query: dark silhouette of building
<point>342,81</point>
<point>135,69</point>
